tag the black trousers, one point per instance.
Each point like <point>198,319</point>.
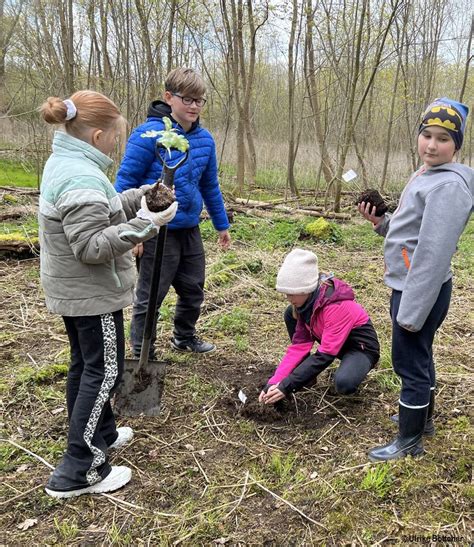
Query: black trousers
<point>97,358</point>
<point>412,352</point>
<point>354,365</point>
<point>184,269</point>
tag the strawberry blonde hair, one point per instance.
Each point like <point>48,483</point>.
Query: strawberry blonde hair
<point>94,111</point>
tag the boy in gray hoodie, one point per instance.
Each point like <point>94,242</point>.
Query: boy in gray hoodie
<point>420,240</point>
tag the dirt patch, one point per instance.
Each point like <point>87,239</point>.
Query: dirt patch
<point>201,466</point>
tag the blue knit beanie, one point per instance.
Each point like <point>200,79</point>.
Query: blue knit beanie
<point>448,114</point>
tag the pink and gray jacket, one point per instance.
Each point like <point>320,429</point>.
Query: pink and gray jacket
<point>338,323</point>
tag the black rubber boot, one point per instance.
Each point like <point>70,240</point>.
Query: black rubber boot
<point>429,430</point>
<point>410,437</point>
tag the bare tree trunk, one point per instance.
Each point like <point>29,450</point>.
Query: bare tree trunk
<point>7,30</point>
<point>169,57</point>
<point>469,58</point>
<point>388,144</point>
<point>230,26</point>
<point>349,122</point>
<point>326,163</point>
<point>290,177</point>
<point>147,41</point>
<point>103,14</point>
<point>65,11</point>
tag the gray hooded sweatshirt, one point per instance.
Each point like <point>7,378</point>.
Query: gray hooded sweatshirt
<point>421,237</point>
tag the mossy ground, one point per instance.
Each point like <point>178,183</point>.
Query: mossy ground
<point>207,470</point>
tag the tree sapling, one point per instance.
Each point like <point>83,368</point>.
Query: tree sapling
<point>160,197</point>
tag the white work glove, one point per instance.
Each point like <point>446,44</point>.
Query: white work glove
<point>159,219</point>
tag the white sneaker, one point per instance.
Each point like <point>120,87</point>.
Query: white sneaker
<point>125,435</point>
<point>118,477</point>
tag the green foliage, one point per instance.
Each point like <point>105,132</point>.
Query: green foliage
<point>67,530</point>
<point>267,234</point>
<point>233,323</point>
<point>201,391</point>
<point>10,457</point>
<point>262,233</point>
<point>463,260</point>
<point>16,173</point>
<point>361,237</point>
<point>223,271</point>
<point>378,479</point>
<point>42,375</point>
<point>460,424</point>
<point>26,228</point>
<point>384,374</point>
<point>241,342</point>
<point>169,137</point>
<point>463,470</point>
<point>246,427</point>
<point>322,230</point>
<point>117,537</point>
<point>282,465</point>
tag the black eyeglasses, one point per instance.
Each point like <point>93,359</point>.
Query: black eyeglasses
<point>188,101</point>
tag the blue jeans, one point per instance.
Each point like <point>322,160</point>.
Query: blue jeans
<point>412,352</point>
<point>183,268</point>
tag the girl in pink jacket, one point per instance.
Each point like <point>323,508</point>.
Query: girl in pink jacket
<point>322,309</point>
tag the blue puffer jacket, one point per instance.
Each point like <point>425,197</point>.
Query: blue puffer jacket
<point>195,180</point>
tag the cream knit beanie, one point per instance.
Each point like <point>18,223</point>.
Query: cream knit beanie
<point>299,273</point>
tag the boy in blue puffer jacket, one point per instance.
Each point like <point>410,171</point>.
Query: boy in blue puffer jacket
<point>195,182</point>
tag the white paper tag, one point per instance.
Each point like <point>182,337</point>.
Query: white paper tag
<point>242,397</point>
<point>350,175</point>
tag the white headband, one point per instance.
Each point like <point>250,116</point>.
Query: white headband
<point>71,109</point>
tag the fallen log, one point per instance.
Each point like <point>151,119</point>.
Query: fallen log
<point>19,244</point>
<point>290,210</point>
<point>22,190</point>
<point>15,213</point>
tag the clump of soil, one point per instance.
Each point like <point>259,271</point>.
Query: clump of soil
<point>159,198</point>
<point>142,382</point>
<point>375,199</point>
<point>264,413</point>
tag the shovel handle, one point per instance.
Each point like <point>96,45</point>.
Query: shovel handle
<point>167,175</point>
<point>150,318</point>
<point>167,178</point>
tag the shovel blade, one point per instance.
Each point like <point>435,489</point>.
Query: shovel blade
<point>141,388</point>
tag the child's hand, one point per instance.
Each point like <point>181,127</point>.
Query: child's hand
<point>138,250</point>
<point>272,396</point>
<point>224,239</point>
<point>368,212</point>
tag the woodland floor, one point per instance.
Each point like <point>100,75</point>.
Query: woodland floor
<point>211,470</point>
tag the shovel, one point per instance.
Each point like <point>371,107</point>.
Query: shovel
<point>142,383</point>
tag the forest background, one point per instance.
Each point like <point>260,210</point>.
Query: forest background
<point>298,92</point>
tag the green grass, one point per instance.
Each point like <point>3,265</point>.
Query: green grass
<point>268,234</point>
<point>16,173</point>
<point>378,479</point>
<point>44,374</point>
<point>236,322</point>
<point>27,227</point>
